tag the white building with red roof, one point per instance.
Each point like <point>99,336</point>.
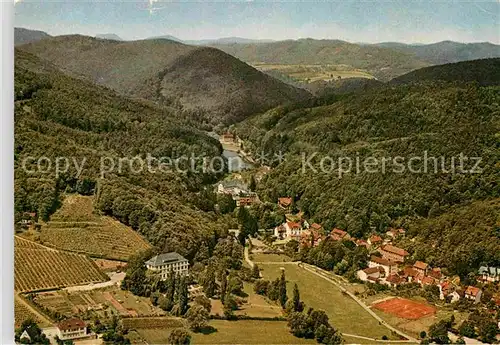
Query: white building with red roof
<point>71,329</point>
<point>393,253</point>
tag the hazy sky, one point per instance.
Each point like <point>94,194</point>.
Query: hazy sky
<point>408,21</point>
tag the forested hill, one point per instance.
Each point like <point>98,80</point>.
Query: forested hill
<point>485,72</point>
<point>383,63</point>
<point>203,82</point>
<point>23,36</point>
<point>447,51</point>
<point>59,116</point>
<point>436,119</point>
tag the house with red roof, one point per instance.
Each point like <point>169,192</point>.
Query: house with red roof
<point>421,267</point>
<point>390,267</point>
<point>285,202</point>
<point>374,240</point>
<point>290,230</point>
<point>473,293</point>
<point>339,235</point>
<point>394,280</point>
<point>393,253</point>
<point>395,232</point>
<point>361,243</point>
<point>371,274</point>
<point>71,329</point>
<point>310,237</point>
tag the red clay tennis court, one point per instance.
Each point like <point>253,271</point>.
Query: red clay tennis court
<point>405,308</point>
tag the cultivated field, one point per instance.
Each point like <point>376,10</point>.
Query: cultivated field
<point>110,265</point>
<point>344,313</point>
<point>405,308</point>
<point>101,302</point>
<point>311,73</point>
<point>23,313</point>
<point>38,268</point>
<point>75,227</point>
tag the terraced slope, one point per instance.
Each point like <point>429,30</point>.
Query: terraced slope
<point>40,268</point>
<point>76,228</point>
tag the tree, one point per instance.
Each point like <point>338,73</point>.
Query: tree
<point>197,317</point>
<point>223,287</point>
<point>226,203</point>
<point>261,286</point>
<point>235,285</point>
<point>252,185</point>
<point>209,284</point>
<point>282,289</point>
<point>37,337</point>
<point>297,304</point>
<point>297,322</point>
<point>488,331</point>
<point>179,336</point>
<point>467,329</point>
<point>182,296</point>
<point>255,271</point>
<point>438,332</point>
<point>204,302</point>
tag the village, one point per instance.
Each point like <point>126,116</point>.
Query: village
<point>399,298</point>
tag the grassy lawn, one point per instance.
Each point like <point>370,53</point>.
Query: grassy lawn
<point>344,313</point>
<point>261,257</point>
<point>257,305</point>
<point>232,332</point>
<point>249,332</point>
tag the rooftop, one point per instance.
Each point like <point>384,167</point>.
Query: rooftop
<point>285,202</point>
<point>395,250</point>
<point>382,261</point>
<point>71,324</point>
<point>420,265</point>
<point>472,290</point>
<point>165,258</point>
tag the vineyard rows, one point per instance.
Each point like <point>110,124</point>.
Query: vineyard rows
<point>22,313</point>
<point>38,269</point>
<point>110,240</point>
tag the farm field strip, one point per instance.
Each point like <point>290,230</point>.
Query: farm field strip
<point>38,269</point>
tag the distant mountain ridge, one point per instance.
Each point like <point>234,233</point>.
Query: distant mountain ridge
<point>114,37</point>
<point>383,63</point>
<point>223,40</point>
<point>447,51</point>
<point>202,80</point>
<point>23,36</point>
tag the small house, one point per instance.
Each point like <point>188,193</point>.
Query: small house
<point>393,253</point>
<point>421,267</point>
<point>370,272</point>
<point>473,293</point>
<point>71,329</point>
<point>375,240</point>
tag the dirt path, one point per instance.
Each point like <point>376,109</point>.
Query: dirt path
<point>115,278</point>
